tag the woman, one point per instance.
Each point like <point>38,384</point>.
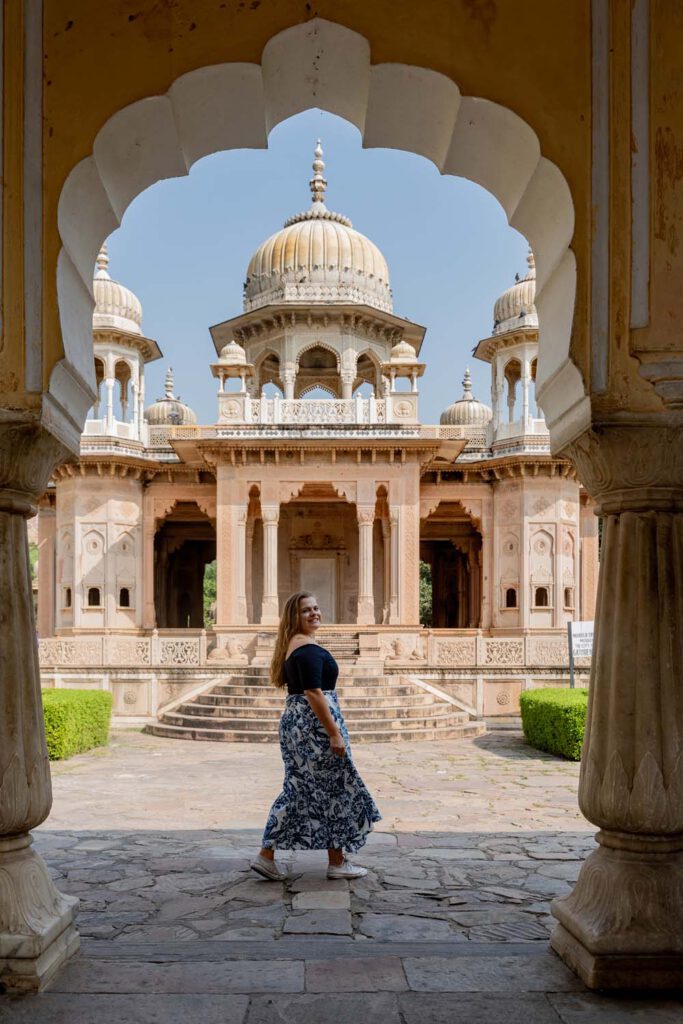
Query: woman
<point>324,803</point>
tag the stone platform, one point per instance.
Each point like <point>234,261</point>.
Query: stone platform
<point>451,923</point>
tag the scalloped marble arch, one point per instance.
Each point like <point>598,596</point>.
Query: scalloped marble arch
<point>321,64</point>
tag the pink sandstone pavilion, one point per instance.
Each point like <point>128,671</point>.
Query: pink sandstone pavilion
<point>316,475</point>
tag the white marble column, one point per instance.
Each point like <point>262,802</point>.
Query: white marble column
<point>47,585</point>
<point>270,613</point>
<point>109,383</point>
<point>622,926</point>
<point>37,933</point>
<point>241,567</point>
<point>366,598</point>
<point>393,586</point>
<point>148,531</point>
<point>249,567</point>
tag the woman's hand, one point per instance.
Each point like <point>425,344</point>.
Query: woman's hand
<point>337,745</point>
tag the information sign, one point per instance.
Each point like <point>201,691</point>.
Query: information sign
<point>580,638</point>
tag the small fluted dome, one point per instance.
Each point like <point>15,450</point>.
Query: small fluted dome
<point>317,257</point>
<point>467,411</point>
<point>403,352</point>
<point>169,410</point>
<point>232,354</point>
<point>115,306</point>
<point>515,307</point>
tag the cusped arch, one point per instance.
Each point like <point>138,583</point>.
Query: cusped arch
<point>320,64</point>
<point>325,346</point>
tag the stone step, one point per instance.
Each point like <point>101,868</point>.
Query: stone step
<point>469,730</point>
<point>273,714</point>
<point>361,725</point>
<point>344,691</point>
<point>349,700</point>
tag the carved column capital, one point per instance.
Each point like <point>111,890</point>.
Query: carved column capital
<point>366,516</point>
<point>631,466</point>
<point>28,456</point>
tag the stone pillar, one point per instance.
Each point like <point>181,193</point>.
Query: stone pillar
<point>526,376</point>
<point>347,379</point>
<point>622,926</point>
<point>393,587</point>
<point>241,566</point>
<point>37,933</point>
<point>249,567</point>
<point>366,598</point>
<point>270,613</point>
<point>386,570</point>
<point>47,589</point>
<point>588,562</point>
<point>148,531</point>
<point>231,510</point>
<point>288,379</point>
<point>109,383</point>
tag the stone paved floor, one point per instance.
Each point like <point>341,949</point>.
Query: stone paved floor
<point>451,923</point>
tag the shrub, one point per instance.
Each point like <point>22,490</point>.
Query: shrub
<point>555,720</point>
<point>75,720</point>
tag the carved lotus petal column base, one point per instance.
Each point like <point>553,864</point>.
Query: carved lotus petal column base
<point>37,933</point>
<point>622,926</point>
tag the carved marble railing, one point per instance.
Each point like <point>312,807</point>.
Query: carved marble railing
<point>155,651</point>
<point>317,411</point>
<point>435,648</point>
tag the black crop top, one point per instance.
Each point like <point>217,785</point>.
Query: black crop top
<point>310,667</point>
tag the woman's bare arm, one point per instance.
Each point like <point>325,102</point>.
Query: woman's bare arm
<point>322,712</point>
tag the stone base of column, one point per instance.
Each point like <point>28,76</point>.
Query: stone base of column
<point>622,926</point>
<point>270,611</point>
<point>366,612</point>
<point>37,933</point>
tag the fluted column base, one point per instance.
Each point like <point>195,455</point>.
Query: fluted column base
<point>622,925</point>
<point>37,933</point>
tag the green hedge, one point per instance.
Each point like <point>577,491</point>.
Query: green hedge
<point>75,720</point>
<point>555,720</point>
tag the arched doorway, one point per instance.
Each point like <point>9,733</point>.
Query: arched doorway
<point>451,545</point>
<point>184,545</point>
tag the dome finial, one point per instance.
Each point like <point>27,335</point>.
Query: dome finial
<point>102,261</point>
<point>531,263</point>
<point>168,385</point>
<point>467,395</point>
<point>318,183</point>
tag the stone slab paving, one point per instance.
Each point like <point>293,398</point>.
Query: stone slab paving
<point>452,921</point>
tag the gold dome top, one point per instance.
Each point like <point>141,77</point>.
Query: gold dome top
<point>115,306</point>
<point>515,307</point>
<point>318,257</point>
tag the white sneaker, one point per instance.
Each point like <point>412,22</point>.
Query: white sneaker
<point>269,869</point>
<point>346,870</point>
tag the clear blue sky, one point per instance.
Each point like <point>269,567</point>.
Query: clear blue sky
<point>184,246</point>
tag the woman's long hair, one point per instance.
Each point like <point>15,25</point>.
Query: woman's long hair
<point>290,623</point>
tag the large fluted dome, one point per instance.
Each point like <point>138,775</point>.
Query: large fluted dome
<point>115,306</point>
<point>318,257</point>
<point>169,410</point>
<point>515,307</point>
<point>467,411</point>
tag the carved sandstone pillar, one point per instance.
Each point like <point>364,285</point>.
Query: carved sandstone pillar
<point>622,926</point>
<point>36,921</point>
<point>271,605</point>
<point>366,598</point>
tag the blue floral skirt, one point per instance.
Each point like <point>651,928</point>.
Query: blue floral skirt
<point>324,803</point>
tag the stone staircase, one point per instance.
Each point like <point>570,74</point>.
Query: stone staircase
<point>342,646</point>
<point>244,708</point>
